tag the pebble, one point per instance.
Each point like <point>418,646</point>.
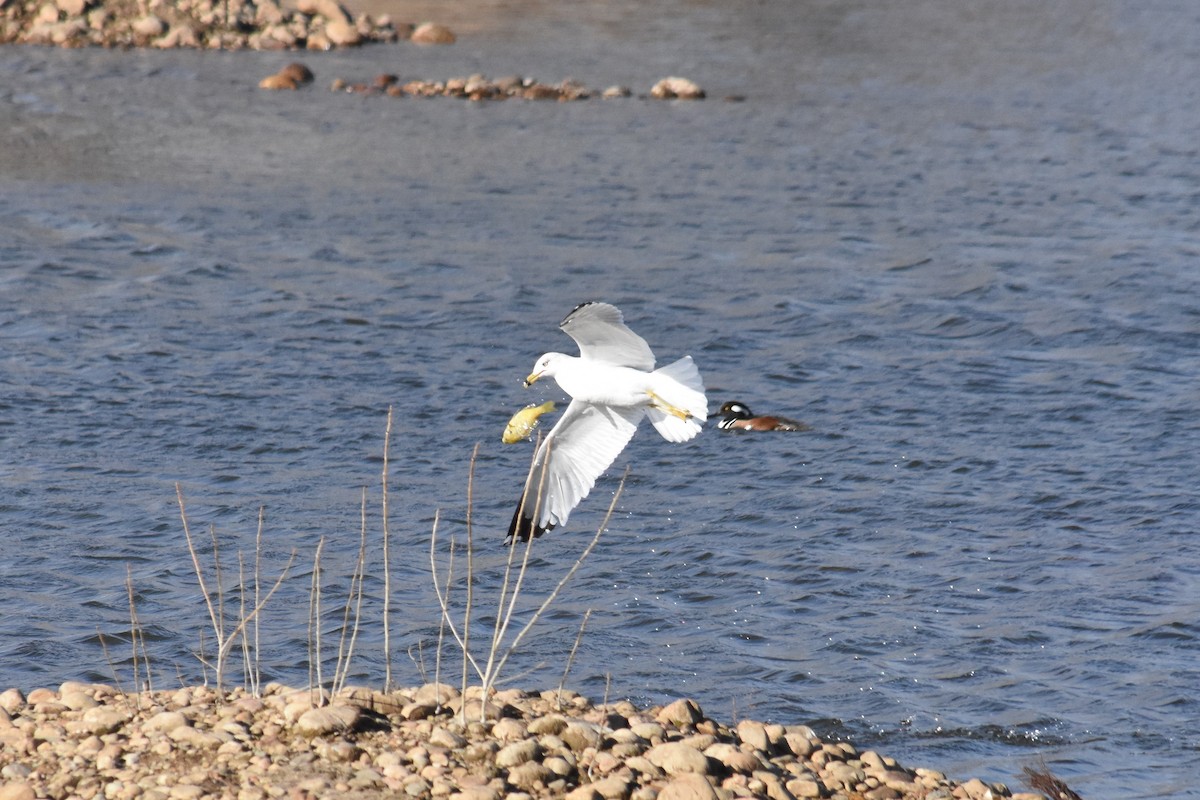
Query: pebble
<point>171,745</point>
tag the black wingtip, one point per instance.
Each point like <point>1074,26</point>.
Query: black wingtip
<point>522,527</point>
<point>576,308</point>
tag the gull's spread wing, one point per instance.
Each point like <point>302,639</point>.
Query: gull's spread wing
<point>584,443</point>
<point>599,330</point>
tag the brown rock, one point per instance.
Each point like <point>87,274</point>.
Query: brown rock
<point>278,81</point>
<point>297,72</point>
<point>432,33</point>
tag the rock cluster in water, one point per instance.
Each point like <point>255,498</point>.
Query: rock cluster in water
<point>480,87</point>
<point>92,741</point>
<point>216,24</point>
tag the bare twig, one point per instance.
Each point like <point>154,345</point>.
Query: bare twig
<point>571,656</point>
<point>353,598</point>
<point>387,564</point>
<point>314,623</point>
<point>466,648</point>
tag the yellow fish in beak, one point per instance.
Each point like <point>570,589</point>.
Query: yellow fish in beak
<point>524,421</point>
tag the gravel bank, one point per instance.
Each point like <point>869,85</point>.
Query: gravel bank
<point>89,740</point>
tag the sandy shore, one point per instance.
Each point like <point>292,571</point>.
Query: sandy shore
<point>90,740</point>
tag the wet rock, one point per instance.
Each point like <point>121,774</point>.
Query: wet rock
<point>278,81</point>
<point>297,72</point>
<point>673,87</point>
<point>432,33</point>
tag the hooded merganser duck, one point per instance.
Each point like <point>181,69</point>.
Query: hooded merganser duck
<point>739,417</point>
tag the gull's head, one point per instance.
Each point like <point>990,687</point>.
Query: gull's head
<point>544,368</point>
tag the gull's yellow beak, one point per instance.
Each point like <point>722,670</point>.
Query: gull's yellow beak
<point>532,379</point>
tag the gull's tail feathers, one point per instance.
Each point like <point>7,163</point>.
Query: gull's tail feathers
<point>680,385</point>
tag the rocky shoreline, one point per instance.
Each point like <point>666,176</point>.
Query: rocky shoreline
<point>91,740</point>
<point>208,24</point>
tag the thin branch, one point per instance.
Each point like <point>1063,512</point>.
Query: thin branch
<point>387,564</point>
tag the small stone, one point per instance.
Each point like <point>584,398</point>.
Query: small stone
<point>193,737</point>
<point>17,790</point>
<point>436,693</point>
<point>322,721</point>
<point>509,730</point>
<point>342,33</point>
<point>517,753</point>
<point>447,738</point>
<point>72,8</point>
<point>614,787</point>
<point>165,721</point>
<point>676,757</point>
<point>735,759</point>
<point>754,734</point>
<point>104,720</point>
<point>977,790</point>
<point>149,26</point>
<point>40,696</point>
<point>688,787</point>
<point>553,724</point>
<point>613,92</point>
<point>580,735</point>
<point>329,9</point>
<point>432,33</point>
<point>585,792</point>
<point>530,775</point>
<point>805,787</point>
<point>11,700</point>
<point>681,713</point>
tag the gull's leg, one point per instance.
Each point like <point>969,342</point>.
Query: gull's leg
<point>664,406</point>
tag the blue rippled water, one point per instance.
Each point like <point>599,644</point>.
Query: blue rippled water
<point>968,262</point>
